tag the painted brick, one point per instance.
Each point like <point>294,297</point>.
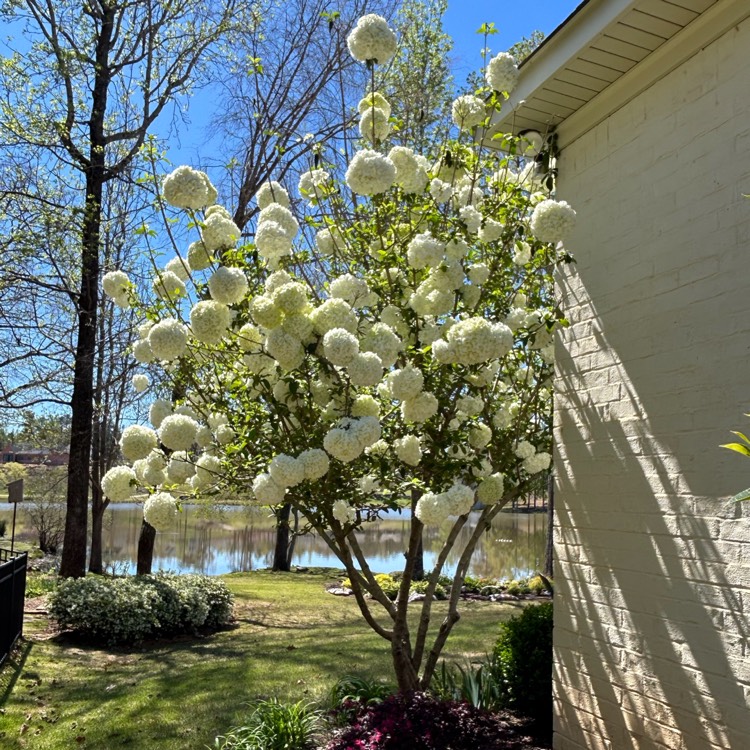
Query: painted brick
<point>652,612</point>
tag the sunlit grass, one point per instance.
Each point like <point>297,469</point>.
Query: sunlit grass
<point>292,641</point>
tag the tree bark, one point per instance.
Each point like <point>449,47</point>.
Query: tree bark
<point>98,506</point>
<point>73,561</point>
<point>145,549</point>
<point>281,559</point>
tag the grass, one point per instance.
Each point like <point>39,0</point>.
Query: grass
<point>292,641</point>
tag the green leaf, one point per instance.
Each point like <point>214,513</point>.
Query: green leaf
<point>743,449</point>
<point>740,435</point>
<point>740,496</point>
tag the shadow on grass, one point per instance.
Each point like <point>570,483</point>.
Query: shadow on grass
<point>12,668</point>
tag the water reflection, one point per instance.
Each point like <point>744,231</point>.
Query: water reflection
<point>234,540</point>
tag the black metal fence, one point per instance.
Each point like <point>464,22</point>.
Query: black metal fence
<point>12,594</point>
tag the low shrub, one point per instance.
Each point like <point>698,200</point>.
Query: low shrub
<point>474,584</point>
<point>420,587</point>
<point>273,726</point>
<point>124,610</point>
<point>521,663</point>
<point>420,721</point>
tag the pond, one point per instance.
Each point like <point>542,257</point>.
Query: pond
<point>235,540</point>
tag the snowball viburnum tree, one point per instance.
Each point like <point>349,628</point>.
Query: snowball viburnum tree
<point>401,360</point>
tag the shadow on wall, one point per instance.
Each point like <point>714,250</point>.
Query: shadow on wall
<point>652,625</point>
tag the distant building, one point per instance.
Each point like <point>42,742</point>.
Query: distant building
<point>33,456</point>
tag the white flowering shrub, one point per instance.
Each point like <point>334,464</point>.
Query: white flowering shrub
<point>127,610</point>
<point>398,356</point>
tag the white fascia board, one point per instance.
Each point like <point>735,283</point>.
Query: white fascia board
<point>585,25</point>
<point>710,26</point>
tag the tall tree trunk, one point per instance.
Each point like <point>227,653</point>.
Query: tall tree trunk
<point>281,559</point>
<point>73,562</point>
<point>145,549</point>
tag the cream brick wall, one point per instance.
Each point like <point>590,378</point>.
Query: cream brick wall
<point>652,612</point>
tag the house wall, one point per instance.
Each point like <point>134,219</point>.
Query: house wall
<point>652,608</point>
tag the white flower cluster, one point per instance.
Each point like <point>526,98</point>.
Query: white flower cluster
<point>382,340</point>
<point>434,508</point>
<point>167,339</point>
<point>354,290</point>
<point>186,187</point>
<point>117,285</point>
<point>140,382</point>
<point>374,125</point>
<point>411,169</point>
<point>198,256</point>
<point>314,184</point>
<point>160,510</point>
<point>168,286</point>
<point>137,442</point>
<point>228,285</point>
<point>150,470</point>
<point>468,111</point>
<point>275,233</point>
<point>424,251</point>
<point>333,313</point>
<point>502,73</point>
<point>351,436</point>
<point>409,450</point>
<point>285,471</point>
<point>473,341</point>
<point>552,221</point>
<point>158,410</point>
<point>207,471</point>
<point>340,347</point>
<point>536,463</point>
<point>180,267</point>
<point>219,231</point>
<point>419,408</point>
<point>370,173</point>
<point>343,512</point>
<point>178,432</point>
<point>405,383</point>
<point>119,483</point>
<point>271,192</point>
<point>371,39</point>
<point>491,489</point>
<point>180,467</point>
<point>209,321</point>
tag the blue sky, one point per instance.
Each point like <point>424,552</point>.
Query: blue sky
<point>513,20</point>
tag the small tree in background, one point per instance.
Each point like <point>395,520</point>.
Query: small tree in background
<point>402,362</point>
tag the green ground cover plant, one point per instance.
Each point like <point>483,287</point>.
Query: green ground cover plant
<point>291,641</point>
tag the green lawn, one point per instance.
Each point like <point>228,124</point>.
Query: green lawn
<point>292,640</point>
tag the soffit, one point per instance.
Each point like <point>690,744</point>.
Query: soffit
<point>602,42</point>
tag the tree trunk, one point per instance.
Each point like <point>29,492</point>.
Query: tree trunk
<point>146,549</point>
<point>98,506</point>
<point>418,574</point>
<point>73,562</point>
<point>281,559</point>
